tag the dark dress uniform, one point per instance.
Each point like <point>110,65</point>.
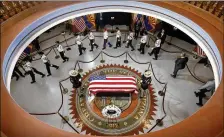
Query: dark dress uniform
<point>137,27</point>
<point>16,71</point>
<point>118,36</point>
<point>162,35</point>
<point>76,81</point>
<point>156,49</point>
<point>47,63</point>
<point>129,42</point>
<point>92,39</point>
<point>180,63</point>
<point>145,81</point>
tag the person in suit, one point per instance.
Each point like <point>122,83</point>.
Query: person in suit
<point>30,70</point>
<point>92,40</point>
<point>129,42</point>
<point>137,27</point>
<point>180,63</point>
<point>61,51</point>
<point>142,30</point>
<point>36,44</point>
<point>162,35</point>
<point>209,86</point>
<point>143,43</point>
<point>145,81</point>
<point>105,38</point>
<point>17,72</point>
<point>47,63</point>
<point>75,79</point>
<point>80,45</point>
<point>156,49</point>
<point>118,36</point>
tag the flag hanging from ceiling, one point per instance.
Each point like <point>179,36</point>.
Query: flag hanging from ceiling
<point>88,24</point>
<point>112,84</point>
<point>91,19</point>
<point>148,22</point>
<point>79,24</point>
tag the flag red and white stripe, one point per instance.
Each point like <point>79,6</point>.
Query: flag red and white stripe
<point>113,84</point>
<point>199,51</point>
<point>80,24</point>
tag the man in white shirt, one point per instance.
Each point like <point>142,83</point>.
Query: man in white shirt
<point>129,42</point>
<point>143,43</point>
<point>47,63</point>
<point>61,51</point>
<point>118,36</point>
<point>80,45</point>
<point>29,70</point>
<point>209,86</point>
<point>105,37</point>
<point>156,49</point>
<point>92,39</point>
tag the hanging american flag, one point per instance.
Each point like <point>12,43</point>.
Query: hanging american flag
<point>104,83</point>
<point>79,24</point>
<point>199,51</point>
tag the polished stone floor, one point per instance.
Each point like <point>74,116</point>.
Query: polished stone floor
<point>45,97</point>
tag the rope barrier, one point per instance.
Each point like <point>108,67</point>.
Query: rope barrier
<point>68,122</point>
<point>194,76</point>
<point>43,113</point>
<point>62,99</point>
<point>155,76</point>
<point>91,60</point>
<point>113,56</point>
<point>137,61</point>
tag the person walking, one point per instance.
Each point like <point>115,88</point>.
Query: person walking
<point>137,27</point>
<point>61,52</point>
<point>105,38</point>
<point>30,70</point>
<point>118,36</point>
<point>47,63</point>
<point>80,45</point>
<point>17,72</point>
<point>209,86</point>
<point>143,43</point>
<point>36,44</point>
<point>92,41</point>
<point>180,63</point>
<point>129,42</point>
<point>156,49</point>
<point>162,35</point>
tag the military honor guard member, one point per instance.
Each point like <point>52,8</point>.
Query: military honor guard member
<point>75,79</point>
<point>30,70</point>
<point>156,49</point>
<point>61,52</point>
<point>137,27</point>
<point>145,81</point>
<point>162,35</point>
<point>180,63</point>
<point>92,41</point>
<point>143,43</point>
<point>209,86</point>
<point>80,45</point>
<point>105,38</point>
<point>118,36</point>
<point>47,63</point>
<point>129,42</point>
<point>16,71</point>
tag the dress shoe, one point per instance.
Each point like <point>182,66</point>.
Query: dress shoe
<point>32,82</point>
<point>43,76</point>
<point>149,54</point>
<point>17,78</point>
<point>90,50</point>
<point>172,76</point>
<point>132,49</point>
<point>64,61</point>
<point>199,104</point>
<point>154,58</point>
<point>49,75</point>
<point>196,94</point>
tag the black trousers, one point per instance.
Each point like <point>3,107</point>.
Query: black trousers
<point>62,54</point>
<point>142,48</point>
<point>16,69</point>
<point>32,75</point>
<point>130,44</point>
<point>81,49</point>
<point>201,94</point>
<point>118,43</point>
<point>92,44</point>
<point>104,43</point>
<point>14,74</point>
<point>176,69</point>
<point>48,65</point>
<point>155,51</point>
<point>136,34</point>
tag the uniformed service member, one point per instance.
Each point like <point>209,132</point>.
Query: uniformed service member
<point>180,63</point>
<point>143,43</point>
<point>30,70</point>
<point>137,27</point>
<point>129,42</point>
<point>145,81</point>
<point>156,49</point>
<point>92,41</point>
<point>75,79</point>
<point>61,52</point>
<point>105,38</point>
<point>118,36</point>
<point>47,63</point>
<point>80,45</point>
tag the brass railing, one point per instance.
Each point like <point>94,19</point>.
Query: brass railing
<point>214,7</point>
<point>9,9</point>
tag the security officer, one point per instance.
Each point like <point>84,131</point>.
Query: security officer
<point>47,63</point>
<point>80,45</point>
<point>118,36</point>
<point>92,39</point>
<point>75,79</point>
<point>29,70</point>
<point>105,38</point>
<point>145,81</point>
<point>156,49</point>
<point>61,52</point>
<point>180,63</point>
<point>137,27</point>
<point>143,43</point>
<point>129,42</point>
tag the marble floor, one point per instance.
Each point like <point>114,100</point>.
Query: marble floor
<point>45,97</point>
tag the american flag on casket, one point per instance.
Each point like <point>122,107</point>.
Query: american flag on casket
<point>102,83</point>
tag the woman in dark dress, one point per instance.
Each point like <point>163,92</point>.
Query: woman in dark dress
<point>145,81</point>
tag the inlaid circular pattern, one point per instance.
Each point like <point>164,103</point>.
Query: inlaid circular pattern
<point>136,112</point>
